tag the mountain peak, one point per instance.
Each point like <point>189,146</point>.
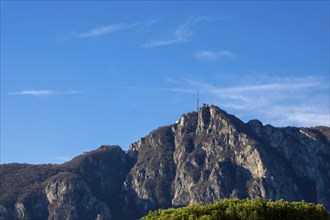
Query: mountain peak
<point>205,156</point>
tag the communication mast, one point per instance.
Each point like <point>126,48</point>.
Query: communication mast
<point>197,100</point>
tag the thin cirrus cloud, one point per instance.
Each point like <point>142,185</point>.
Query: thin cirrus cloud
<point>182,33</point>
<point>45,92</point>
<point>206,55</point>
<point>107,29</point>
<point>281,102</point>
<point>104,30</point>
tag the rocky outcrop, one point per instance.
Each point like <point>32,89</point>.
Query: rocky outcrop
<point>69,197</point>
<point>307,152</point>
<point>210,155</point>
<point>206,156</point>
<point>87,187</point>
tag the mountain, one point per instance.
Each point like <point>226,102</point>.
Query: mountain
<point>87,187</point>
<point>205,156</point>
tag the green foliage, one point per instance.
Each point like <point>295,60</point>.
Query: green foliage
<point>247,209</point>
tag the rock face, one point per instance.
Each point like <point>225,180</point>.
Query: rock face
<point>205,156</point>
<point>307,152</point>
<point>87,187</point>
<point>210,155</point>
<point>70,197</point>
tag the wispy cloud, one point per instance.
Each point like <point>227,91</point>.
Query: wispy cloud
<point>181,34</point>
<point>45,92</point>
<point>281,102</point>
<point>105,29</point>
<point>206,55</point>
<point>33,92</point>
<point>281,86</point>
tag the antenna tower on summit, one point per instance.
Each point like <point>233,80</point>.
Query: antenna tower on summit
<point>197,100</point>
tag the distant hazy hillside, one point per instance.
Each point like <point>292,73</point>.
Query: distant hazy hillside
<point>206,156</point>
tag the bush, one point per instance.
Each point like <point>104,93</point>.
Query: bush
<point>247,209</point>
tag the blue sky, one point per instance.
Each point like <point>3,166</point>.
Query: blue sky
<point>79,74</point>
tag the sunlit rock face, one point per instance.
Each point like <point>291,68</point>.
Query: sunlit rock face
<point>209,155</point>
<point>205,156</point>
<point>307,153</point>
<point>70,197</point>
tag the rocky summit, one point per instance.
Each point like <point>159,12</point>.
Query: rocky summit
<point>205,156</point>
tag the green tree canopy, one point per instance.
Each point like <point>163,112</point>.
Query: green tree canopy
<point>246,209</point>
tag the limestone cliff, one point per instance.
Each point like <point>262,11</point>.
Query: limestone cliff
<point>210,155</point>
<point>206,156</point>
